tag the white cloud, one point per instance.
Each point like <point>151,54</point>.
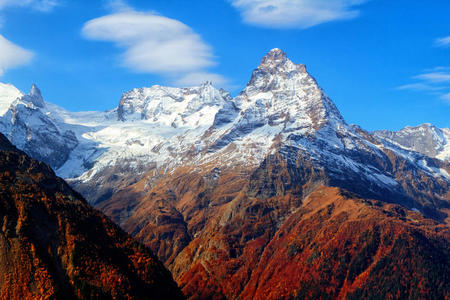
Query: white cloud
<point>295,13</point>
<point>154,44</point>
<point>446,97</point>
<point>437,69</point>
<point>12,55</point>
<point>39,5</point>
<point>118,6</point>
<point>435,82</point>
<point>420,87</point>
<point>435,77</point>
<point>443,41</point>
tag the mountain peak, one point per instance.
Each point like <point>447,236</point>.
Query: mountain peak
<point>174,107</point>
<point>275,55</point>
<point>277,60</point>
<point>425,138</point>
<point>35,91</point>
<point>278,86</point>
<point>206,83</point>
<point>34,96</point>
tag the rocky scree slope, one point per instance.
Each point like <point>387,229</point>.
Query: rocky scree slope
<point>53,245</point>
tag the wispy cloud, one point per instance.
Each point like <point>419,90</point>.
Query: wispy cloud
<point>420,87</point>
<point>12,55</point>
<point>441,42</point>
<point>437,69</point>
<point>435,81</point>
<point>295,13</point>
<point>39,5</point>
<point>435,77</point>
<point>155,44</point>
<point>446,97</point>
<point>118,6</point>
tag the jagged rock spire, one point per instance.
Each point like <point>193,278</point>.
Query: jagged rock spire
<point>283,87</point>
<point>276,60</point>
<point>35,96</point>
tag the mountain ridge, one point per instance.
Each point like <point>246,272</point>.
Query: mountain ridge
<point>425,138</point>
<point>227,109</point>
<point>282,110</point>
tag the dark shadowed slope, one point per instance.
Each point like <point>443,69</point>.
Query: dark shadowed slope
<point>54,245</point>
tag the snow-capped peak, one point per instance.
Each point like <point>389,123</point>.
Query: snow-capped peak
<point>276,61</point>
<point>34,96</point>
<point>174,107</point>
<point>426,139</point>
<point>35,92</point>
<point>284,89</point>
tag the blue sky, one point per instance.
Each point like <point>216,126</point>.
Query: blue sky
<point>386,64</point>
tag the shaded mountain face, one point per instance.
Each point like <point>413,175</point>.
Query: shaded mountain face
<point>27,125</point>
<point>232,192</point>
<point>53,245</point>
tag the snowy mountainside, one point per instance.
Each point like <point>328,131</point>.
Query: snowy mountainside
<point>425,138</point>
<point>8,93</point>
<point>172,106</point>
<point>281,102</point>
<point>155,125</point>
<point>97,140</point>
<point>283,110</point>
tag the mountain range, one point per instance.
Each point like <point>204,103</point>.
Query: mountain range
<point>269,194</point>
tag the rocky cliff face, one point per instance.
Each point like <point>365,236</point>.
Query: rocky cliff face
<point>53,245</point>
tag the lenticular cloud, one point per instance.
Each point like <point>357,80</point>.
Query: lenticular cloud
<point>12,55</point>
<point>153,43</point>
<point>295,13</point>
